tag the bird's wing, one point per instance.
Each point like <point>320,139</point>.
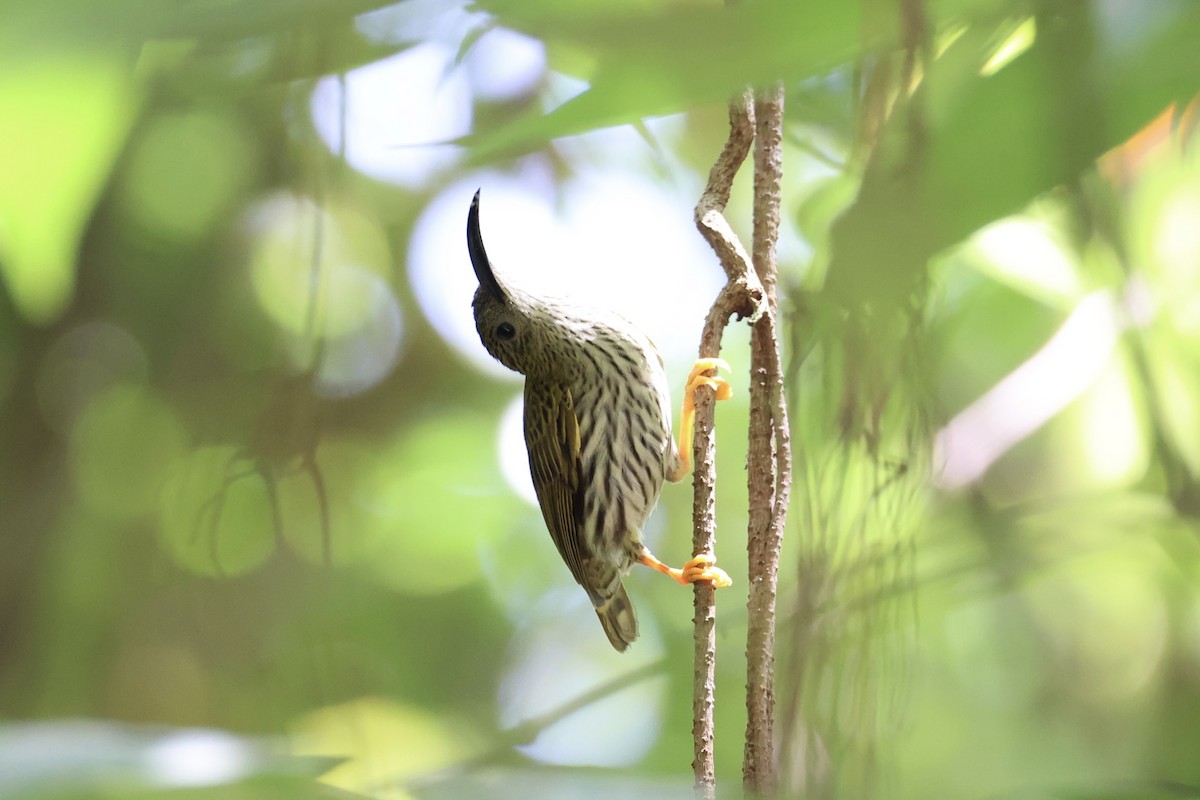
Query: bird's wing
<point>552,436</point>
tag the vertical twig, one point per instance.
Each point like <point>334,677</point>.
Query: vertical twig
<point>741,295</point>
<point>768,460</point>
<point>705,619</point>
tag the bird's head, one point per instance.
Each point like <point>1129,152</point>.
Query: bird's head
<point>535,335</point>
<point>503,317</point>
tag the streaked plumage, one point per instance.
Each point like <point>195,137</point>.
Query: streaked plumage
<point>597,426</point>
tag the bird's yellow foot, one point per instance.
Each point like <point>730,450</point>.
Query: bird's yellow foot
<point>687,416</point>
<point>698,378</point>
<point>704,568</point>
<point>700,568</point>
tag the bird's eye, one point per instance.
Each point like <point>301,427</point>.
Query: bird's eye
<point>505,330</point>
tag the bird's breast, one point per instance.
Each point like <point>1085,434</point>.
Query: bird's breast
<point>625,451</point>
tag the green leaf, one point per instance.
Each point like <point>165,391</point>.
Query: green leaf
<point>638,75</point>
<point>74,111</point>
<point>983,147</point>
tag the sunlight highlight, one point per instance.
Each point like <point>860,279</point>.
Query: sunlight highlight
<point>514,456</point>
<point>1110,434</point>
<point>1176,242</point>
<point>344,302</point>
<point>193,758</point>
<point>1032,394</point>
<point>1020,40</point>
<point>382,743</point>
<point>563,655</point>
<point>396,111</point>
<point>1026,254</point>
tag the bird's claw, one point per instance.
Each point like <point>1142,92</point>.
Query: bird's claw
<point>718,384</point>
<point>699,568</point>
<point>704,568</point>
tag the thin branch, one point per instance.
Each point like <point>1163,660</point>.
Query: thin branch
<point>525,732</point>
<point>768,461</point>
<point>742,295</point>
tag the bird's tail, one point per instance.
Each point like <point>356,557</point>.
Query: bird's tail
<point>618,618</point>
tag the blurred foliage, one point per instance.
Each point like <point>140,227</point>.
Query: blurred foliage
<point>248,488</point>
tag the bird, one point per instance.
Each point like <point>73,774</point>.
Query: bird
<point>598,431</point>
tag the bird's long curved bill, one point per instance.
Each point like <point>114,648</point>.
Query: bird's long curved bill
<point>479,259</point>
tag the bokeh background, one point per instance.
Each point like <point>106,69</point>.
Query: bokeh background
<point>265,516</point>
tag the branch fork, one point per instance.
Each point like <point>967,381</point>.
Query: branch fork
<point>749,293</point>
